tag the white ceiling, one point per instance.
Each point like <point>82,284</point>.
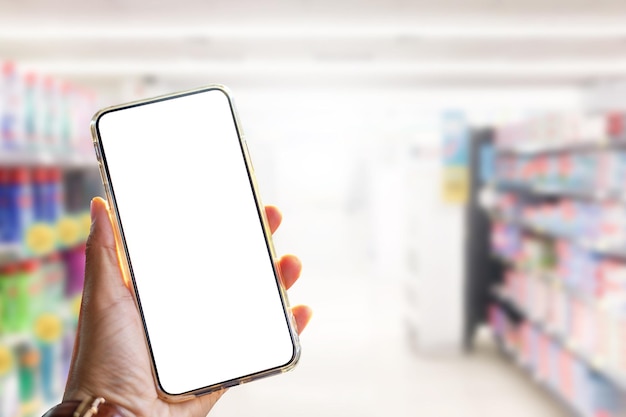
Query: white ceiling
<point>338,11</point>
<point>373,41</point>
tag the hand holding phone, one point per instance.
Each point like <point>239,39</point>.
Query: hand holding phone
<point>112,358</point>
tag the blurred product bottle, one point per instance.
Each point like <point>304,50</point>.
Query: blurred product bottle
<point>47,192</point>
<point>36,295</point>
<point>3,331</point>
<point>29,295</point>
<point>39,194</point>
<point>29,380</point>
<point>20,204</point>
<point>54,277</point>
<point>53,201</point>
<point>48,333</point>
<point>11,108</point>
<point>9,290</point>
<point>21,298</point>
<point>30,103</point>
<point>74,260</point>
<point>89,107</point>
<point>65,119</point>
<point>83,109</point>
<point>50,329</point>
<point>75,265</point>
<point>4,219</point>
<point>77,108</point>
<point>9,393</point>
<point>49,115</point>
<point>75,198</point>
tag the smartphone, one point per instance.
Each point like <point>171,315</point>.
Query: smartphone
<point>193,241</point>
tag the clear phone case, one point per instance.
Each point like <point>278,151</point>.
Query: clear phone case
<point>100,145</point>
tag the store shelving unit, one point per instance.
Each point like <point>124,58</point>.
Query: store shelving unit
<point>532,304</point>
<point>42,257</point>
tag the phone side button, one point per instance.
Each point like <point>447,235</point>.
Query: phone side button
<point>98,156</point>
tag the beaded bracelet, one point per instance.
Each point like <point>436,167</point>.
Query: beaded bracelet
<point>89,407</point>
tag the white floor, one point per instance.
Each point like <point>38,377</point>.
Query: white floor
<point>357,360</point>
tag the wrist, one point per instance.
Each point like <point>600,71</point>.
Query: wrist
<point>80,394</point>
<point>88,407</point>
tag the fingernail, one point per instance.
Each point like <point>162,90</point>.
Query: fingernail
<point>92,211</point>
<point>93,214</point>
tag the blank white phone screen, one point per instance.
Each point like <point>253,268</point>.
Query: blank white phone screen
<point>201,265</point>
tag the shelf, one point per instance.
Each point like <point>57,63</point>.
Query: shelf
<point>529,149</point>
<point>14,340</point>
<point>16,253</point>
<point>560,192</point>
<point>14,158</point>
<point>10,253</point>
<point>597,247</point>
<point>618,380</point>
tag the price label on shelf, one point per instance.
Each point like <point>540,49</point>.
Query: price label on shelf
<point>69,231</point>
<point>40,239</point>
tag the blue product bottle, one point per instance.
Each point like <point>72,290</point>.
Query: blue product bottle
<point>19,203</point>
<point>10,234</point>
<point>39,194</point>
<point>3,203</point>
<point>53,195</point>
<point>48,329</point>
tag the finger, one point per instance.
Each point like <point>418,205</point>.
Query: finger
<point>290,269</point>
<point>104,282</point>
<point>274,217</point>
<point>303,315</point>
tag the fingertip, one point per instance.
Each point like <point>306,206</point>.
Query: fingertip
<point>291,265</point>
<point>97,207</point>
<point>302,314</point>
<point>290,269</point>
<point>306,311</point>
<point>101,230</point>
<point>274,217</point>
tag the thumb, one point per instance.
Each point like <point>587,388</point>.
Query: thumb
<point>104,281</point>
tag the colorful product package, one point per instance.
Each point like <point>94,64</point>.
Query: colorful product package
<point>9,395</point>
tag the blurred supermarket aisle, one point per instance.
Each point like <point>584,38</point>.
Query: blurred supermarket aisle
<point>343,106</point>
<point>356,356</point>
